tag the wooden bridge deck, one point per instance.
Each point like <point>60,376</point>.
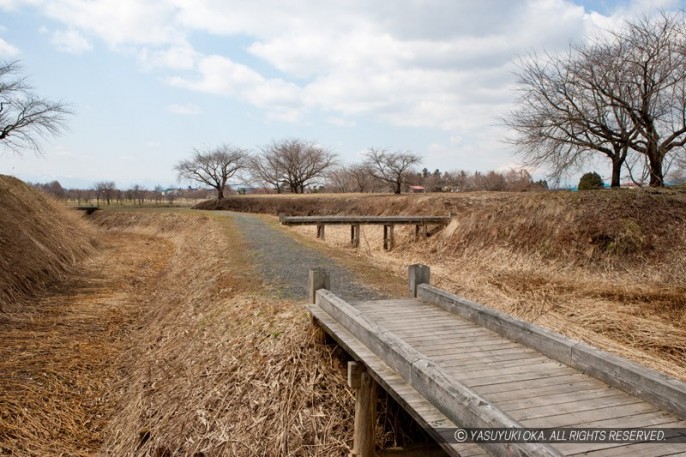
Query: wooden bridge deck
<point>347,220</point>
<point>427,357</point>
<point>388,222</point>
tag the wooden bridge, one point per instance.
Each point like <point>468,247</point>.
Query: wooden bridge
<point>459,368</point>
<point>388,222</point>
<point>87,209</point>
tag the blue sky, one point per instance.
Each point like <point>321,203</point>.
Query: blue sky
<point>149,80</point>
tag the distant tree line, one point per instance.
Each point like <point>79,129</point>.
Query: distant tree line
<point>298,166</point>
<point>358,178</point>
<point>107,193</point>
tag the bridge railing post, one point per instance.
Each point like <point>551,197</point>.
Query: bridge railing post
<point>320,231</point>
<point>417,274</point>
<point>318,279</point>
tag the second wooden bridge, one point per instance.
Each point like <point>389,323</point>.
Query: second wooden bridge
<point>421,223</point>
<point>458,366</point>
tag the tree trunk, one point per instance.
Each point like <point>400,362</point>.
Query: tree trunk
<point>220,193</point>
<point>657,178</point>
<point>616,172</point>
<point>398,187</point>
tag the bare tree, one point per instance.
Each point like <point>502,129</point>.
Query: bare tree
<point>25,117</point>
<point>565,118</point>
<point>105,190</point>
<point>655,81</point>
<point>617,94</point>
<point>351,178</point>
<point>267,169</point>
<point>293,163</point>
<point>214,167</point>
<point>391,167</point>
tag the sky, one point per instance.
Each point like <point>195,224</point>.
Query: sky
<point>150,80</point>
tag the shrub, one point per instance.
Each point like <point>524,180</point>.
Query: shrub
<point>590,181</point>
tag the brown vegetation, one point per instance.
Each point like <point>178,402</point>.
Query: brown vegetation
<point>164,341</point>
<point>605,267</point>
<point>40,240</point>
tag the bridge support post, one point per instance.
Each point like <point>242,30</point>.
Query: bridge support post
<point>365,410</point>
<point>388,238</point>
<point>355,235</point>
<point>425,232</point>
<point>320,231</point>
<point>417,274</point>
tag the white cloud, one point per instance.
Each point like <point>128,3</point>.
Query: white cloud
<point>71,41</point>
<point>181,57</point>
<point>119,22</point>
<point>188,109</point>
<point>441,64</point>
<point>7,50</point>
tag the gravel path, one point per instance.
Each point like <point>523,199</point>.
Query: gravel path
<point>285,263</point>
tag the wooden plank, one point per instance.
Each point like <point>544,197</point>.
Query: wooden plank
<point>346,220</point>
<point>395,302</point>
<point>573,404</point>
<point>485,346</point>
<point>501,364</point>
<point>393,384</point>
<point>545,341</point>
<point>511,378</point>
<point>630,449</point>
<point>634,450</point>
<point>452,398</point>
<point>405,324</point>
<point>548,368</point>
<point>644,419</point>
<point>526,392</point>
<point>572,419</point>
<point>455,343</point>
<point>532,385</point>
<point>555,397</point>
<point>642,382</point>
<point>477,356</point>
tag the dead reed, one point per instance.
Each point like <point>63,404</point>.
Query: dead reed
<point>39,241</point>
<point>606,268</point>
<point>218,368</point>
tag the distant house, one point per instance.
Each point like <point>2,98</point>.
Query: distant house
<point>416,189</point>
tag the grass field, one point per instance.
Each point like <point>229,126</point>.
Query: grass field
<point>148,332</point>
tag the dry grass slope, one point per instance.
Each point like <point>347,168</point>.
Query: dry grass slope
<point>626,226</point>
<point>216,367</point>
<point>39,240</point>
<point>605,267</point>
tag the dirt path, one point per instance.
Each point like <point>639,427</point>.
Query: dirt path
<point>284,262</point>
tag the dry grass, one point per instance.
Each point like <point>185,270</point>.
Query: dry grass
<point>58,350</point>
<point>606,268</point>
<point>218,368</point>
<point>40,240</point>
<point>164,343</point>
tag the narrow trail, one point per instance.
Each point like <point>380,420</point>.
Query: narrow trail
<point>284,263</point>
